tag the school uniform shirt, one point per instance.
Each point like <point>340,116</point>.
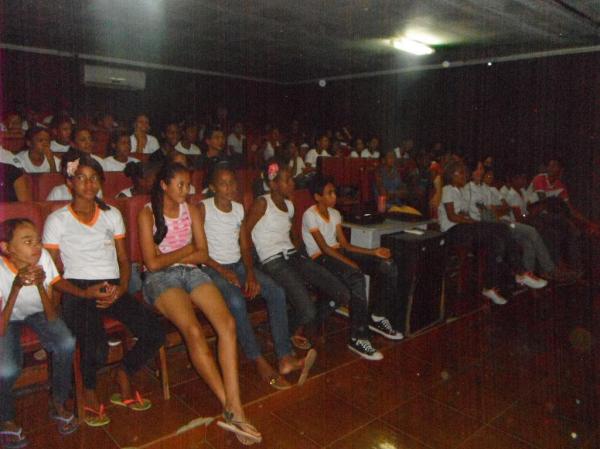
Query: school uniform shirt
<point>312,220</point>
<point>8,176</point>
<point>541,183</point>
<point>271,234</point>
<point>474,194</point>
<point>222,231</point>
<point>235,143</point>
<point>57,147</point>
<point>151,144</point>
<point>62,193</point>
<point>514,199</point>
<point>30,167</point>
<point>192,150</point>
<point>354,154</point>
<point>28,300</point>
<point>299,166</point>
<point>269,151</point>
<point>366,154</point>
<point>456,196</point>
<point>87,250</point>
<point>8,157</point>
<point>111,164</point>
<point>128,193</point>
<point>401,156</point>
<point>312,156</point>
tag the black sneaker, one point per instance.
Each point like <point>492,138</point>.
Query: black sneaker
<point>363,348</point>
<point>384,327</point>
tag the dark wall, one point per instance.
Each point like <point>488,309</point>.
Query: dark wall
<point>44,81</point>
<point>519,112</point>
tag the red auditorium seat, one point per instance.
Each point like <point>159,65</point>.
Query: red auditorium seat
<point>43,183</point>
<point>114,182</point>
<point>302,200</point>
<point>132,208</point>
<point>27,209</point>
<point>336,168</point>
<point>197,180</point>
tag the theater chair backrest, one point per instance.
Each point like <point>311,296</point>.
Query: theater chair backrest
<point>131,210</point>
<point>197,180</point>
<point>27,209</point>
<point>334,167</point>
<point>114,182</point>
<point>43,183</point>
<point>302,200</point>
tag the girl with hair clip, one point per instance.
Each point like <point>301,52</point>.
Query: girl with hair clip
<point>86,240</point>
<point>62,192</point>
<point>173,245</point>
<point>231,268</point>
<point>269,223</point>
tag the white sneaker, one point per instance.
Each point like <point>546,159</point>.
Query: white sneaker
<point>530,280</point>
<point>494,296</point>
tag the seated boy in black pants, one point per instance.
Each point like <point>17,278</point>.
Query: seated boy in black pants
<point>326,244</point>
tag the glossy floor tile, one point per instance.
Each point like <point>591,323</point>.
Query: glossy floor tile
<point>523,376</point>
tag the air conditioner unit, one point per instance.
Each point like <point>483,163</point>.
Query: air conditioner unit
<point>113,78</point>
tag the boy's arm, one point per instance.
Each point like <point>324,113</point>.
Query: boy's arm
<point>10,304</point>
<point>345,244</point>
<point>330,251</point>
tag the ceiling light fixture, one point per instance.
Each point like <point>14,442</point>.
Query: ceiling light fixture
<point>412,46</point>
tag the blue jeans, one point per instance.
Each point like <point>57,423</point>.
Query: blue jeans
<point>55,338</point>
<point>273,295</point>
<point>293,274</point>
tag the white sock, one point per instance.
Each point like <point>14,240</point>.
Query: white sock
<point>376,318</point>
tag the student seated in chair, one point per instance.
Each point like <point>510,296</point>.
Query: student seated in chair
<point>27,274</point>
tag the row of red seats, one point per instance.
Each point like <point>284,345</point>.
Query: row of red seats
<point>356,172</point>
<point>37,211</point>
<point>42,183</point>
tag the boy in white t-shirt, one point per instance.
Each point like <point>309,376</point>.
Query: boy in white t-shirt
<point>326,244</point>
<point>121,146</point>
<point>27,274</point>
<point>320,151</point>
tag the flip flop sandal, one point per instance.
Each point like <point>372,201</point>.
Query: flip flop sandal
<point>139,404</point>
<point>301,342</point>
<point>237,427</point>
<point>13,439</point>
<point>308,362</point>
<point>66,426</point>
<point>99,420</point>
<point>274,381</point>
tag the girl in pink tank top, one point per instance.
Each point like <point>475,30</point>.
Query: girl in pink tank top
<point>173,244</point>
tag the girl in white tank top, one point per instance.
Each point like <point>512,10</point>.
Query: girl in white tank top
<point>231,267</point>
<point>270,223</point>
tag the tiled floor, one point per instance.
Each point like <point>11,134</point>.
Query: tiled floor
<point>521,376</point>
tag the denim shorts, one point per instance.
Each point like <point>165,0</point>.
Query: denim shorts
<point>184,277</point>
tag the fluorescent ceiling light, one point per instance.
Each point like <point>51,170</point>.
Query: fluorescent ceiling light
<point>412,46</point>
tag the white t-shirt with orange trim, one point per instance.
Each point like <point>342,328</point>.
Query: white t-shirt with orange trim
<point>312,220</point>
<point>87,250</point>
<point>28,301</point>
